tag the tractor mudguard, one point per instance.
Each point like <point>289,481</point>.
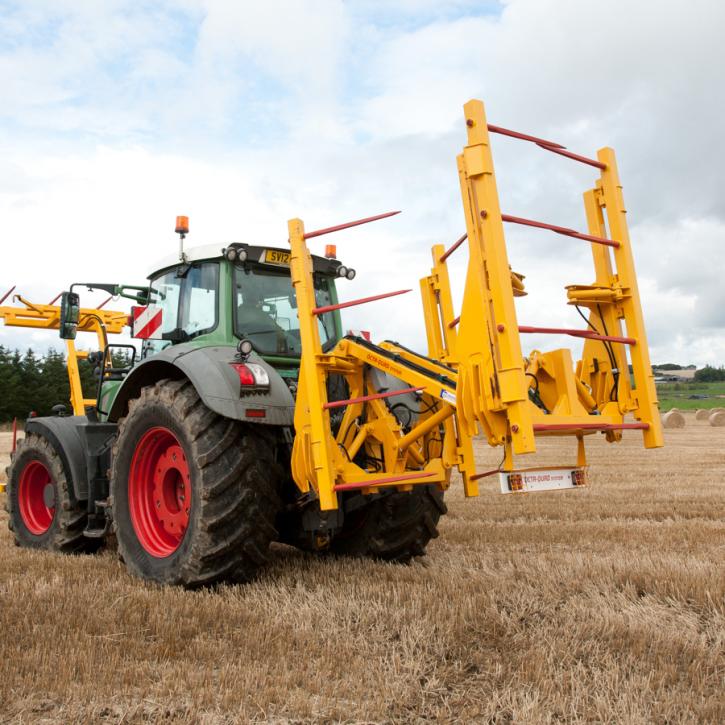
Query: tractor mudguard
<point>210,371</point>
<point>64,435</point>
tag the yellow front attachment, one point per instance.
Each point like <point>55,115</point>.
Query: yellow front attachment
<point>475,378</point>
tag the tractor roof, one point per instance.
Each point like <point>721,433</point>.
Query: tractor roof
<point>255,254</point>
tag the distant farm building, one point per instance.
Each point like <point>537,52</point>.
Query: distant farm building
<point>685,375</point>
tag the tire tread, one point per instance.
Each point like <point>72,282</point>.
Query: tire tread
<point>238,479</point>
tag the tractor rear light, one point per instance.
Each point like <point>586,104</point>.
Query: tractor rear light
<point>251,375</point>
<point>245,375</point>
<point>255,413</point>
<point>351,274</point>
<point>579,477</point>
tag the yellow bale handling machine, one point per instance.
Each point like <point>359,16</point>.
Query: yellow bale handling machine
<point>475,377</point>
<point>250,417</point>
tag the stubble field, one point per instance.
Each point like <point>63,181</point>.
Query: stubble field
<point>600,605</point>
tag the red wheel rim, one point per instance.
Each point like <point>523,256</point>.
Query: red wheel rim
<point>159,492</point>
<point>36,516</point>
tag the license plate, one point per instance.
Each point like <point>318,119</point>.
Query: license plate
<point>541,479</point>
<point>275,256</point>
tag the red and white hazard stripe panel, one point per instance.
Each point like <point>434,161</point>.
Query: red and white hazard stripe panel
<point>147,322</point>
<point>360,333</point>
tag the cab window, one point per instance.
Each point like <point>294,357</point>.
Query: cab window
<point>188,304</point>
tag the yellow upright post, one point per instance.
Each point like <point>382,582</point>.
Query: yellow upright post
<point>74,378</point>
<point>438,309</point>
<point>647,406</point>
<point>610,382</point>
<point>313,440</point>
<point>492,386</point>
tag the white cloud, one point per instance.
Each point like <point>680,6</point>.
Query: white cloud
<point>118,116</point>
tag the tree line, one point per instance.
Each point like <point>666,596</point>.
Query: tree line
<point>36,382</point>
<point>709,374</point>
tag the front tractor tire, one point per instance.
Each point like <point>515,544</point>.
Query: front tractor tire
<point>42,511</point>
<point>194,495</point>
<point>395,526</point>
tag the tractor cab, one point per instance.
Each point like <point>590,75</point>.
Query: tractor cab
<point>240,292</point>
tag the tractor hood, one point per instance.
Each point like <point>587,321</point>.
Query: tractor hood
<point>265,255</point>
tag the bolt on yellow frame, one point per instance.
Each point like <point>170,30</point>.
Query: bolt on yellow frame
<point>47,317</point>
<point>475,377</point>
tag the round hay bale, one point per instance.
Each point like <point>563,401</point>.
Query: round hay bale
<point>716,410</point>
<point>703,414</point>
<point>677,410</point>
<point>717,419</point>
<point>673,419</point>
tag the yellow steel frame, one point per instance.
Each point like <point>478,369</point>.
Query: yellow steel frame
<point>435,291</point>
<point>486,380</point>
<point>323,460</point>
<point>47,317</point>
<point>578,396</point>
<point>613,298</point>
<point>493,391</point>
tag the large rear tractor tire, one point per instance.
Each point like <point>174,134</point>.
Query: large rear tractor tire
<point>42,512</point>
<point>193,495</point>
<point>394,527</point>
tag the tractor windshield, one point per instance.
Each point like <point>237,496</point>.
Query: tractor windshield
<point>265,310</point>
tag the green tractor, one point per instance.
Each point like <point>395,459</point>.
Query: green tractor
<point>185,457</point>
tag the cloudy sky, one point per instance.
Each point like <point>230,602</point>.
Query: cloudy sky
<point>118,115</point>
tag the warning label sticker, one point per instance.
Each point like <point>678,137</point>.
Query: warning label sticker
<point>448,396</point>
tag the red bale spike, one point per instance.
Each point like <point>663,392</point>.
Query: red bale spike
<point>543,427</point>
<point>361,301</point>
<point>377,482</point>
<point>575,157</point>
<point>374,396</point>
<point>588,334</point>
<point>104,303</point>
<point>347,225</point>
<point>454,322</point>
<point>453,247</point>
<point>566,231</point>
<point>485,474</point>
<point>525,137</point>
<point>55,299</point>
<point>552,146</point>
<point>7,294</point>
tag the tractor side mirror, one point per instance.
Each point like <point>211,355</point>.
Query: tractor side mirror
<point>70,313</point>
